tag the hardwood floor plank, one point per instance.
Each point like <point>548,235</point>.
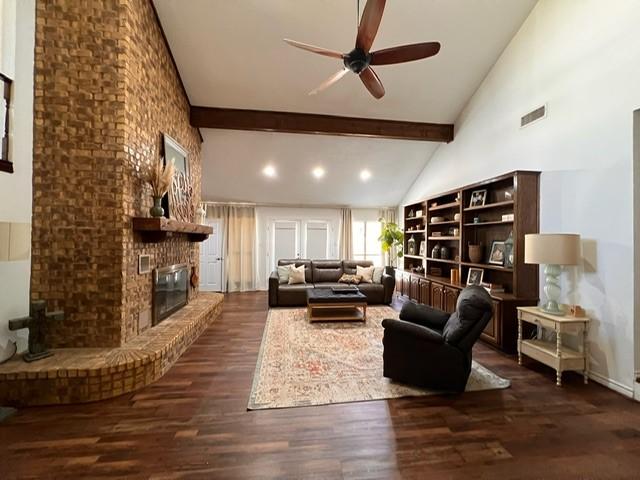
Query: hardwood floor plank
<point>193,423</point>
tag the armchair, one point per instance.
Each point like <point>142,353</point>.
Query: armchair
<point>430,348</point>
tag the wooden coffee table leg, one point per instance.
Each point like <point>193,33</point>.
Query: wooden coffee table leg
<point>364,313</point>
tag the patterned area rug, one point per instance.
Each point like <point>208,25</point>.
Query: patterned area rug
<point>302,363</point>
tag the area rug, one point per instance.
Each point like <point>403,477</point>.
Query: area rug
<point>302,363</point>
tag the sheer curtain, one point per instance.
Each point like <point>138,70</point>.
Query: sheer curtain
<point>238,245</point>
<point>389,215</point>
<point>346,242</point>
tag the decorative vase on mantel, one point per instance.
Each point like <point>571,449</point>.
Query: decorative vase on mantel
<point>157,210</point>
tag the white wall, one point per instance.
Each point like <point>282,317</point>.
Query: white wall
<point>636,233</point>
<point>264,219</point>
<point>18,33</point>
<point>582,59</point>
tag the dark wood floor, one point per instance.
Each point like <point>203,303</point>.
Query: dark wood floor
<point>193,423</point>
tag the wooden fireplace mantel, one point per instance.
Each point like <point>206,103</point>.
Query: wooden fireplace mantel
<point>156,229</point>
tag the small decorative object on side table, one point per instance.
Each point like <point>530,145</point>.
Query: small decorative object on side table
<point>556,355</point>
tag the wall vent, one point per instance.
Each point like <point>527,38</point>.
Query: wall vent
<point>533,116</point>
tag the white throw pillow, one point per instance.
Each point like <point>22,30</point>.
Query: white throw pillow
<point>366,273</point>
<point>284,271</point>
<point>296,275</point>
<point>377,274</point>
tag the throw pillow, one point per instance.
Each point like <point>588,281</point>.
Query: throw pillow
<point>296,275</point>
<point>366,273</point>
<point>351,279</point>
<point>377,274</point>
<point>283,272</point>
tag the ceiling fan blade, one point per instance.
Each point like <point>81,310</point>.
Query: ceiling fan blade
<point>314,49</point>
<point>405,53</point>
<point>329,81</point>
<point>369,23</point>
<point>372,82</point>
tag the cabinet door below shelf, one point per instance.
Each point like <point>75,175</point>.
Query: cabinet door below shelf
<point>414,288</point>
<point>450,299</point>
<point>437,296</point>
<point>491,332</point>
<point>425,287</point>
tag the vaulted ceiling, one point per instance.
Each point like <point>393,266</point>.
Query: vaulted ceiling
<point>231,54</point>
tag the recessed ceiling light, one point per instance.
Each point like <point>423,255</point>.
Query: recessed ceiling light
<point>365,175</point>
<point>269,171</point>
<point>318,172</point>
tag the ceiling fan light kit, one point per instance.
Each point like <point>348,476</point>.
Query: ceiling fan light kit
<point>360,59</point>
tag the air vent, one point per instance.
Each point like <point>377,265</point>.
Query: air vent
<point>534,115</point>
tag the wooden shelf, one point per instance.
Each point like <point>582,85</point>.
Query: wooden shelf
<point>444,238</point>
<point>408,219</point>
<point>549,348</point>
<point>444,207</point>
<point>487,266</point>
<point>407,232</point>
<point>506,203</point>
<point>155,229</point>
<point>447,222</point>
<point>480,224</point>
<point>417,257</point>
<point>442,260</point>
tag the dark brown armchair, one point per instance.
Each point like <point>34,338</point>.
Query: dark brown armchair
<point>430,348</point>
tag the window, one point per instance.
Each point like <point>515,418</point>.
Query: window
<point>366,245</point>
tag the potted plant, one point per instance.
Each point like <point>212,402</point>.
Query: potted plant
<point>392,240</point>
<point>160,178</point>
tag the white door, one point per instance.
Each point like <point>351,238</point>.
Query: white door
<point>286,240</point>
<point>211,259</point>
<point>317,240</point>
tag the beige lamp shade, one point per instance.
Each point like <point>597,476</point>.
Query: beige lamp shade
<point>552,248</point>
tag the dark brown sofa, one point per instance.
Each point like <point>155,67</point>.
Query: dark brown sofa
<point>325,274</point>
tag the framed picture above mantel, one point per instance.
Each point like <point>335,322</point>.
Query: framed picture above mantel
<point>178,203</point>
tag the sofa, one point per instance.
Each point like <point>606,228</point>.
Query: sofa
<point>325,274</point>
<point>432,349</point>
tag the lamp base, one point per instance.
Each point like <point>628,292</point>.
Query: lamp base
<point>551,308</point>
<point>552,290</point>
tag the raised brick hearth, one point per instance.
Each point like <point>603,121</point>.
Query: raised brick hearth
<point>78,375</point>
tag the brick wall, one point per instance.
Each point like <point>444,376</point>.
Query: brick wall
<point>105,90</point>
<point>154,103</point>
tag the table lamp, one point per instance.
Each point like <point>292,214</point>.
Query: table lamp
<point>552,250</point>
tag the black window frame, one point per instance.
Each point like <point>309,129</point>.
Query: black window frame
<point>6,165</point>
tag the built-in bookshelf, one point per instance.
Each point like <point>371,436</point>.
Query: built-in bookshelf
<point>493,215</point>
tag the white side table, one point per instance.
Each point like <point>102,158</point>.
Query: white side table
<point>555,355</point>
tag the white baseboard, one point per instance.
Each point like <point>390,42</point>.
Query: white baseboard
<point>612,384</point>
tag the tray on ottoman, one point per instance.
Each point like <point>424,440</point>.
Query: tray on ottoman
<point>324,305</point>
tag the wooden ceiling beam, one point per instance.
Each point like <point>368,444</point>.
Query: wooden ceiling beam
<point>289,122</point>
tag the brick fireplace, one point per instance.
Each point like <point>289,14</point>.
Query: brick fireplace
<point>106,89</point>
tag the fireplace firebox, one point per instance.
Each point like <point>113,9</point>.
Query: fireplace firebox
<point>170,290</point>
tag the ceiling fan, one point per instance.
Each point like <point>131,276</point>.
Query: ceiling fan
<point>360,59</point>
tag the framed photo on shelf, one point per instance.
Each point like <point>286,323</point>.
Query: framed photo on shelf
<point>474,277</point>
<point>478,197</point>
<point>498,254</point>
<point>508,255</point>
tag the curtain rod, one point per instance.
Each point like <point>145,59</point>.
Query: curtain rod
<point>286,205</point>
